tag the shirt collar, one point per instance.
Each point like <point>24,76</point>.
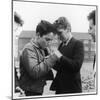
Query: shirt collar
<point>70,37</point>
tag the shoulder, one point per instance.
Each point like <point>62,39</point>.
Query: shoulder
<point>77,41</point>
<point>78,44</point>
<point>29,47</point>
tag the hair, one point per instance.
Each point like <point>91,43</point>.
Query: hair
<point>92,16</point>
<point>18,19</point>
<point>62,23</point>
<point>43,28</point>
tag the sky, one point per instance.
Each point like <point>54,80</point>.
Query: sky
<point>32,13</point>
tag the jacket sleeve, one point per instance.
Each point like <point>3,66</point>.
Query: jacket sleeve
<point>74,64</point>
<point>37,70</point>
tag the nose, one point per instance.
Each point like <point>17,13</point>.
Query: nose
<point>89,31</point>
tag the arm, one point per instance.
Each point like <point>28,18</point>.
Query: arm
<point>35,69</point>
<point>74,64</point>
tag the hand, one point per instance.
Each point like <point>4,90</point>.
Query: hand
<point>48,50</point>
<point>20,90</point>
<point>56,52</point>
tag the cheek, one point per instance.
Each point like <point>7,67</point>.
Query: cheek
<point>19,31</point>
<point>92,31</point>
<point>64,36</point>
<point>43,43</point>
<point>15,26</point>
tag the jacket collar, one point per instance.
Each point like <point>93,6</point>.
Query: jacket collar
<point>34,43</point>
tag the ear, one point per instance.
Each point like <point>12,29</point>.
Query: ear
<point>38,34</point>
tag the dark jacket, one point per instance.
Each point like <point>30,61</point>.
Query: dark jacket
<point>68,79</point>
<point>34,68</point>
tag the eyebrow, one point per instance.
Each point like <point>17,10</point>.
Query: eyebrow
<point>48,39</point>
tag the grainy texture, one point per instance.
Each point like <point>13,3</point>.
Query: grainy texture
<point>88,83</point>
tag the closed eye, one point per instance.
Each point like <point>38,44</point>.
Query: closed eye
<point>48,39</point>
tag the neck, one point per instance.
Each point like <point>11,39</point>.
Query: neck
<point>93,37</point>
<point>69,37</point>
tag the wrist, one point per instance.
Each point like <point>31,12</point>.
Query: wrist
<point>59,55</point>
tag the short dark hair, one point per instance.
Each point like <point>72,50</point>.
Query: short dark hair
<point>44,27</point>
<point>62,23</point>
<point>18,19</point>
<point>92,16</point>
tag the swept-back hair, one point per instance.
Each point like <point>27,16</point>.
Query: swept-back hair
<point>92,16</point>
<point>18,19</point>
<point>62,23</point>
<point>44,27</point>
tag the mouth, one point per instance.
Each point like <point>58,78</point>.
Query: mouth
<point>91,34</point>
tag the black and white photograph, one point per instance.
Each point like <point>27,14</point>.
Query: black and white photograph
<point>54,49</point>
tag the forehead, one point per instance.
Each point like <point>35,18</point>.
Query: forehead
<point>90,22</point>
<point>49,35</point>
